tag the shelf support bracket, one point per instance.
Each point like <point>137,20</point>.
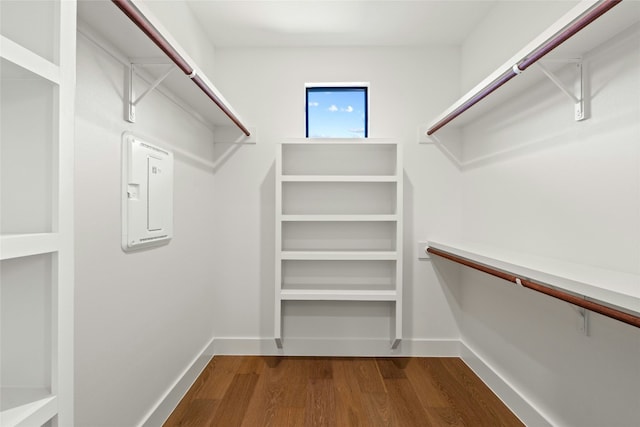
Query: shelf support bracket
<point>132,101</point>
<point>583,319</point>
<point>577,99</point>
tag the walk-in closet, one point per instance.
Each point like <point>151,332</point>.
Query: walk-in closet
<point>319,213</point>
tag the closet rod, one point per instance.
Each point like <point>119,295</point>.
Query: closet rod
<point>596,307</point>
<point>577,25</point>
<point>138,18</point>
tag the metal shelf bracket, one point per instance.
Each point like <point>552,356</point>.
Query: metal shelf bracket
<point>577,98</point>
<point>132,101</point>
<point>583,319</point>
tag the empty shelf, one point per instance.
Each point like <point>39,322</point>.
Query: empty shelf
<point>20,245</point>
<point>337,295</point>
<point>337,218</point>
<point>339,178</point>
<point>27,406</point>
<point>340,255</point>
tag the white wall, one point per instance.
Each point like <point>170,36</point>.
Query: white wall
<point>507,27</point>
<point>178,18</point>
<point>141,318</point>
<point>267,85</point>
<point>568,190</point>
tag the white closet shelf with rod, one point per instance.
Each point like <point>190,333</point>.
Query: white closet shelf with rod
<point>154,52</point>
<point>568,42</point>
<point>610,293</point>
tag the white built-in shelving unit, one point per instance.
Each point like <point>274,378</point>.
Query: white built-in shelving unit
<point>339,208</point>
<point>37,78</point>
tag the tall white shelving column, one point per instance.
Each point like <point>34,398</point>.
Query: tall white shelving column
<point>339,172</point>
<point>37,54</point>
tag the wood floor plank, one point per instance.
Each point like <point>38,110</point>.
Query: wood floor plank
<point>233,406</point>
<point>320,368</point>
<point>197,413</point>
<point>351,392</point>
<point>494,412</point>
<point>268,398</point>
<point>390,368</point>
<point>466,402</point>
<point>219,373</point>
<point>367,375</point>
<point>378,406</point>
<point>295,372</point>
<point>289,417</point>
<point>320,410</point>
<point>349,407</point>
<point>405,403</point>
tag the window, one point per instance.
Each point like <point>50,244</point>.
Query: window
<point>337,110</point>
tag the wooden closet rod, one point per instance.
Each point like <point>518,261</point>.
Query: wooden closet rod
<point>141,21</point>
<point>605,310</point>
<point>577,25</point>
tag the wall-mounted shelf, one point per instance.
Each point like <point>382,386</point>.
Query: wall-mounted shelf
<point>107,22</point>
<point>603,287</point>
<point>611,23</point>
<point>339,208</point>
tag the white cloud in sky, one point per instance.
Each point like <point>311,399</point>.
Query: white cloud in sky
<point>360,130</point>
<point>349,109</point>
<point>333,108</point>
<point>313,104</point>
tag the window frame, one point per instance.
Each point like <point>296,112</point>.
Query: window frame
<point>337,87</point>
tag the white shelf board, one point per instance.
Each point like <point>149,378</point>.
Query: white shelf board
<point>21,245</point>
<point>26,406</point>
<point>108,22</point>
<point>340,141</point>
<point>339,178</point>
<point>24,58</point>
<point>340,255</point>
<point>339,218</point>
<point>612,23</point>
<point>609,287</point>
<point>337,295</point>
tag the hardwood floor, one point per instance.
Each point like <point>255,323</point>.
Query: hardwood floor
<point>322,391</point>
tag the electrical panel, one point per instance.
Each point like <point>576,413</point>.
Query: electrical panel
<point>147,194</point>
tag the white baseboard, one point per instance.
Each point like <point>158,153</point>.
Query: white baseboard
<point>520,406</point>
<point>165,406</point>
<point>335,347</point>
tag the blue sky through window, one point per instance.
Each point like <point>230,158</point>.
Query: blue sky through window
<point>337,112</point>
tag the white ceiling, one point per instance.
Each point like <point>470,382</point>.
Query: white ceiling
<point>339,23</point>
